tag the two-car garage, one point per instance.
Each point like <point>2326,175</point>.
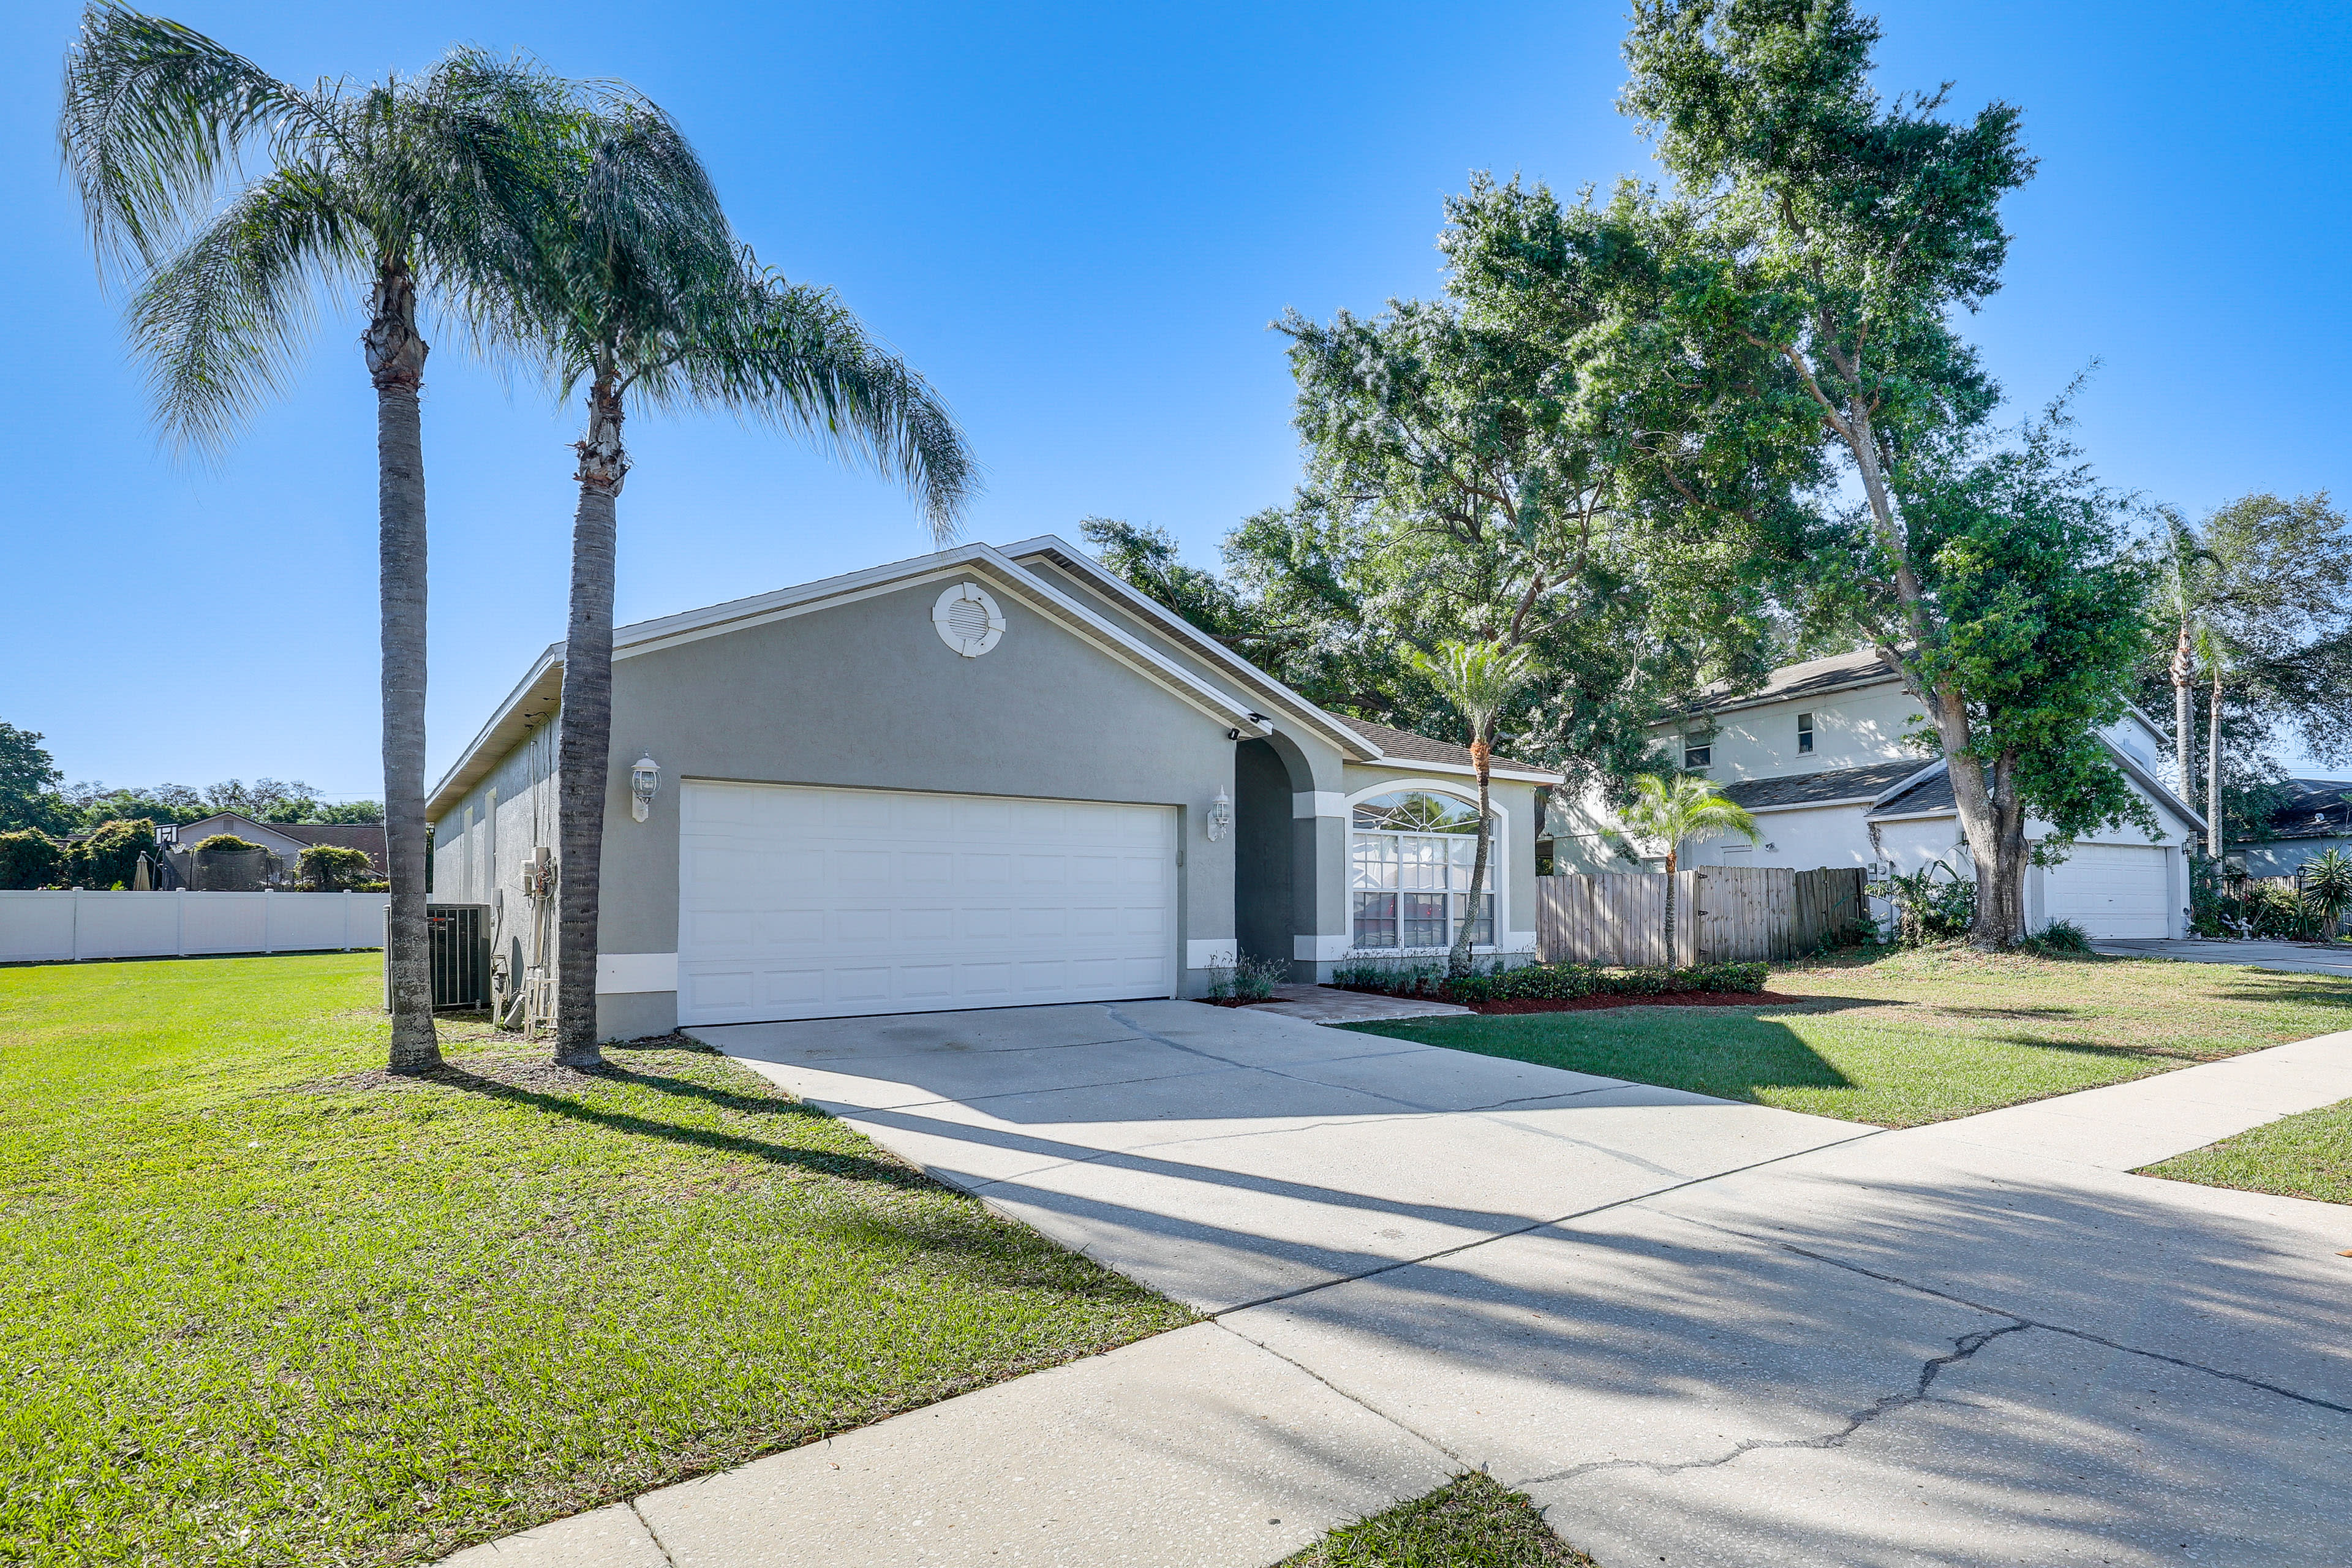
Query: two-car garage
<point>798,901</point>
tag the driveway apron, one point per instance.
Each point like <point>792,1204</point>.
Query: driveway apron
<point>1700,1333</point>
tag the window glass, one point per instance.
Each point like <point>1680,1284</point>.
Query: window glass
<point>1411,811</point>
<point>1698,756</point>
<point>1805,733</point>
<point>1409,863</point>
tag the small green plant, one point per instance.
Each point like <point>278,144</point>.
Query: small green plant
<point>2060,938</point>
<point>220,843</point>
<point>1250,979</point>
<point>2326,880</point>
<point>1926,909</point>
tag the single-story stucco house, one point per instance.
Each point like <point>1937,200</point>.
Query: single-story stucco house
<point>287,840</point>
<point>2314,817</point>
<point>1818,755</point>
<point>981,778</point>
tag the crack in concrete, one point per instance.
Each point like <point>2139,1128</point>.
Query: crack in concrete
<point>1965,1346</point>
<point>651,1533</point>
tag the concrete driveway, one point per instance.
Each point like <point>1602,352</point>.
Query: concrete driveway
<point>1700,1333</point>
<point>2296,957</point>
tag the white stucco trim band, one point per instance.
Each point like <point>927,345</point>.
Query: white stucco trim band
<point>1212,952</point>
<point>618,974</point>
<point>1319,803</point>
<point>1319,949</point>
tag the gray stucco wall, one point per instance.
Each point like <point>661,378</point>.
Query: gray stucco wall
<point>865,694</point>
<point>1264,822</point>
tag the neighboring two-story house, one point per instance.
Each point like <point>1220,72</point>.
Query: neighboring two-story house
<point>1818,755</point>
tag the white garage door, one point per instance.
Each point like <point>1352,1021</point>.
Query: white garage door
<point>2112,890</point>
<point>800,902</point>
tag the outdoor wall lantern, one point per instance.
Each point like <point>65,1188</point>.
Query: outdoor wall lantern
<point>644,782</point>
<point>1221,815</point>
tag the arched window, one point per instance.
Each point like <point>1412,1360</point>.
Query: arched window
<point>1411,855</point>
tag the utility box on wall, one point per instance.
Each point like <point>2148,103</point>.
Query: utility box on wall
<point>458,938</point>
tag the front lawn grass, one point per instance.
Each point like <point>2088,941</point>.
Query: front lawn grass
<point>1909,1038</point>
<point>260,1304</point>
<point>1472,1521</point>
<point>2305,1157</point>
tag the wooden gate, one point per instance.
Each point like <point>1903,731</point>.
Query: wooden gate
<point>1722,914</point>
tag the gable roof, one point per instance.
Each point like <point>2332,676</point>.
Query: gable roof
<point>1241,697</point>
<point>538,693</point>
<point>1831,786</point>
<point>1839,672</point>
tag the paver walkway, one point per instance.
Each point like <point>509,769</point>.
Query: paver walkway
<point>1699,1332</point>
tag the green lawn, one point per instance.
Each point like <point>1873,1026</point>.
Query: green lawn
<point>1470,1522</point>
<point>259,1304</point>
<point>1923,1035</point>
<point>2305,1157</point>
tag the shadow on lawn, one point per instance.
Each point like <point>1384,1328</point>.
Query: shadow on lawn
<point>855,1167</point>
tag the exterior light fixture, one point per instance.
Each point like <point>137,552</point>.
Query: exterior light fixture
<point>644,782</point>
<point>1220,820</point>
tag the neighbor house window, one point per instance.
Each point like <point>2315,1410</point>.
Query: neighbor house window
<point>1697,753</point>
<point>1411,859</point>
<point>1804,735</point>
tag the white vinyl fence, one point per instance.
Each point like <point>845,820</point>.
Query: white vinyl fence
<point>52,928</point>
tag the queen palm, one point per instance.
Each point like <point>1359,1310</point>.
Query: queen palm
<point>2184,584</point>
<point>1677,811</point>
<point>1478,680</point>
<point>642,295</point>
<point>402,187</point>
<point>2213,659</point>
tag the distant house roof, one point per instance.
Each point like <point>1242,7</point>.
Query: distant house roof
<point>2315,808</point>
<point>1929,796</point>
<point>1403,744</point>
<point>1863,784</point>
<point>1861,667</point>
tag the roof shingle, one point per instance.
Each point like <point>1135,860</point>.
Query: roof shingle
<point>1415,748</point>
<point>1812,789</point>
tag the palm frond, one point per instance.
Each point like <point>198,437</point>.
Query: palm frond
<point>154,119</point>
<point>222,322</point>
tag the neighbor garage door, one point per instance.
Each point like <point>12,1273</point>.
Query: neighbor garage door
<point>2112,890</point>
<point>800,902</point>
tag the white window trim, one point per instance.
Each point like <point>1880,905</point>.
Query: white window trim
<point>1498,863</point>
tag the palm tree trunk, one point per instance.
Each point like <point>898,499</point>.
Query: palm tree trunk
<point>395,361</point>
<point>1458,961</point>
<point>2213,772</point>
<point>1669,906</point>
<point>585,739</point>
<point>2181,711</point>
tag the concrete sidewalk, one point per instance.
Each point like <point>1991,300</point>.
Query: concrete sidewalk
<point>1699,1332</point>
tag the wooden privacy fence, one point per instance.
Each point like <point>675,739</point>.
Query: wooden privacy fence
<point>1722,914</point>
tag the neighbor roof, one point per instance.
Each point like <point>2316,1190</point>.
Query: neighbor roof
<point>1863,666</point>
<point>1833,784</point>
<point>2315,808</point>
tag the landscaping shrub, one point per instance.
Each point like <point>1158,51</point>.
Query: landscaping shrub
<point>1252,979</point>
<point>225,841</point>
<point>2059,937</point>
<point>1928,910</point>
<point>331,867</point>
<point>29,859</point>
<point>109,856</point>
<point>1541,982</point>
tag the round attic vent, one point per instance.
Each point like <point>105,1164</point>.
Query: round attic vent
<point>968,620</point>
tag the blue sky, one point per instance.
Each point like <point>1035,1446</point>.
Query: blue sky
<point>1077,221</point>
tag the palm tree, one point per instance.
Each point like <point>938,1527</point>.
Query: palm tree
<point>2184,584</point>
<point>2213,657</point>
<point>401,188</point>
<point>2327,879</point>
<point>1685,808</point>
<point>1479,679</point>
<point>642,294</point>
